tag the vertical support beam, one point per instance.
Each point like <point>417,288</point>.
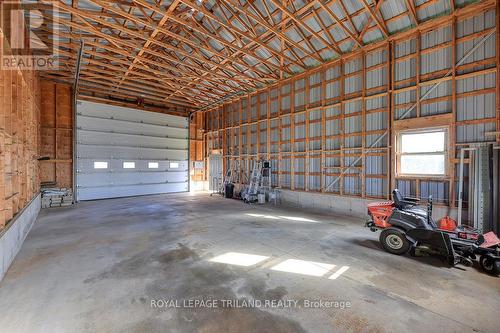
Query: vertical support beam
<point>4,86</point>
<point>391,167</point>
<point>497,12</point>
<point>418,106</point>
<point>341,127</point>
<point>268,126</point>
<point>363,125</point>
<point>452,127</point>
<point>56,125</point>
<point>417,85</point>
<point>389,120</point>
<point>240,145</point>
<point>306,164</point>
<point>280,167</point>
<point>248,154</point>
<point>323,129</point>
<point>257,128</point>
<point>292,135</point>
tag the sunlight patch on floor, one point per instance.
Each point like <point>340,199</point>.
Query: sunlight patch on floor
<point>239,259</point>
<point>282,217</point>
<point>339,272</point>
<point>264,216</point>
<point>303,267</point>
<point>295,266</point>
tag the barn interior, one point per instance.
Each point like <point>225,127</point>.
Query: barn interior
<point>249,165</point>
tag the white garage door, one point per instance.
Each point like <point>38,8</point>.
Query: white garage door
<point>125,152</point>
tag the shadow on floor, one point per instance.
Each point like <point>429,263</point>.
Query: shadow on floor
<point>435,261</point>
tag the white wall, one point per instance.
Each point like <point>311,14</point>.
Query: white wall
<point>342,205</point>
<point>13,236</point>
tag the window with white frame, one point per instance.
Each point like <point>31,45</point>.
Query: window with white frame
<point>422,153</point>
<point>174,165</point>
<point>100,165</point>
<point>129,165</point>
<point>153,165</point>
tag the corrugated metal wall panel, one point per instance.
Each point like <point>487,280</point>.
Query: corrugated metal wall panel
<point>376,187</point>
<point>474,132</point>
<point>263,137</point>
<point>405,47</point>
<point>353,84</point>
<point>405,69</point>
<point>376,78</point>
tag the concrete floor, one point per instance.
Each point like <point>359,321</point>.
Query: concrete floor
<point>97,266</point>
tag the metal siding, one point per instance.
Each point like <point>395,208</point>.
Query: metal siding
<point>376,187</point>
<point>405,47</point>
<point>116,135</point>
<point>474,132</point>
<point>405,69</point>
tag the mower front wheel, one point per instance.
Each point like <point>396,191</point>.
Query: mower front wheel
<point>490,265</point>
<point>394,241</point>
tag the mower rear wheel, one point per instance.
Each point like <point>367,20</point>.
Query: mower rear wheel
<point>394,241</point>
<point>490,265</point>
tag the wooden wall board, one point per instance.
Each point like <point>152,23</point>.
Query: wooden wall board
<point>57,134</point>
<point>196,145</point>
<point>19,137</point>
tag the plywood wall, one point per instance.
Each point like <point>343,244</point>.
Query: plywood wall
<point>19,137</point>
<point>196,130</point>
<point>56,134</point>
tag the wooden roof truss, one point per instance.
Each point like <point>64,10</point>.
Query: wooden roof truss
<point>186,54</point>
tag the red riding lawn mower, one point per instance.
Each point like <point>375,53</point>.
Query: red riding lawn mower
<point>407,227</point>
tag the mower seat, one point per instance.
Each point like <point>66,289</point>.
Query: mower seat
<point>403,202</point>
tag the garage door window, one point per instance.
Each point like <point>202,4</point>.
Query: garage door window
<point>153,165</point>
<point>422,153</point>
<point>174,165</point>
<point>129,165</point>
<point>100,165</point>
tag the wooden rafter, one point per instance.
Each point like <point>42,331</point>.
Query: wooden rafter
<point>138,57</point>
<point>304,25</point>
<point>413,12</point>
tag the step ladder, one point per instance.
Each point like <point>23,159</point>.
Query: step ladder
<point>265,183</point>
<point>232,173</point>
<point>259,182</point>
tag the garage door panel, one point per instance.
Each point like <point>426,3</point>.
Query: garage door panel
<point>126,191</point>
<point>127,114</point>
<point>96,152</point>
<point>124,152</point>
<point>114,139</point>
<point>149,165</point>
<point>147,177</point>
<point>95,179</point>
<point>176,176</point>
<point>103,125</point>
<point>169,165</point>
<point>133,177</point>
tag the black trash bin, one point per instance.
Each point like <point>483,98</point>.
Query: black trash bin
<point>229,190</point>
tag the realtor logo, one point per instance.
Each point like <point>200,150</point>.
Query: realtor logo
<point>27,39</point>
